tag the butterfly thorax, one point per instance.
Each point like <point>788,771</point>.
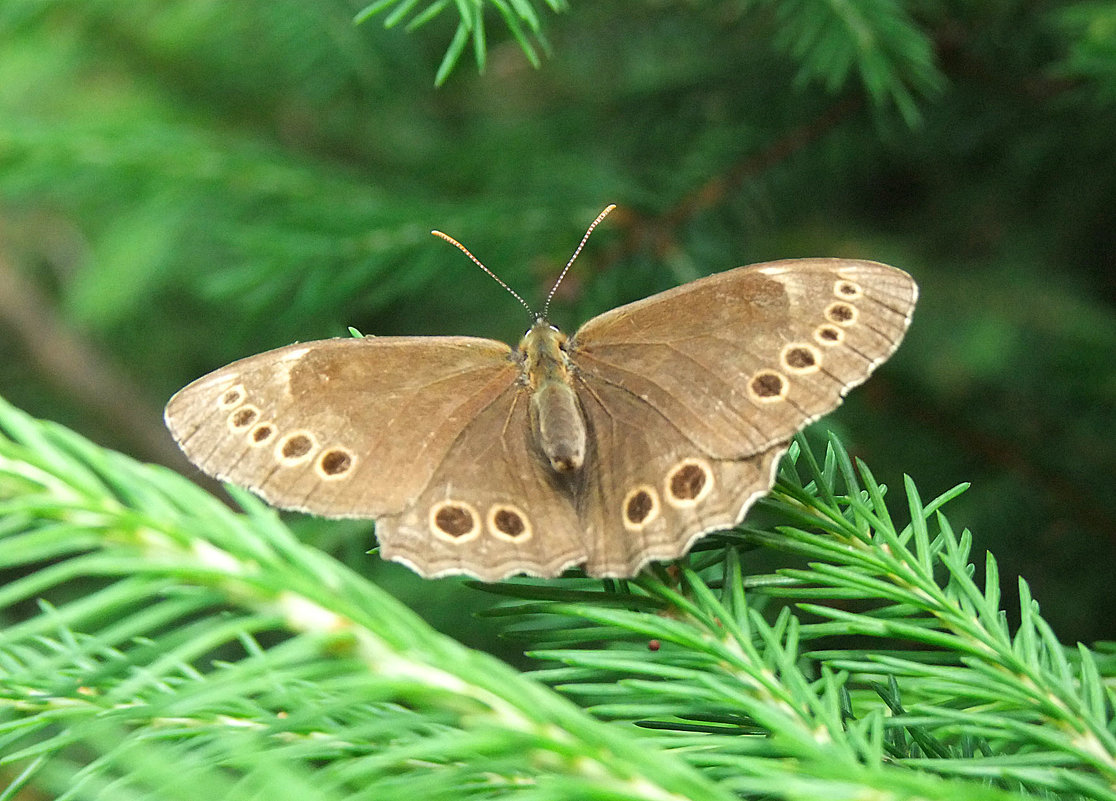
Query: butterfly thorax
<point>556,417</point>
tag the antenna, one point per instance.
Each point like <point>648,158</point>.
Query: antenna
<point>511,291</point>
<point>576,253</point>
<point>477,262</point>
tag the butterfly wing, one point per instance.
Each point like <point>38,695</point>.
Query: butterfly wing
<point>496,508</point>
<point>493,507</point>
<point>740,361</point>
<point>647,492</point>
<point>340,427</point>
<point>691,395</point>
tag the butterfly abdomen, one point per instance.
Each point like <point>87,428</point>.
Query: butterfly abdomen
<point>559,426</point>
<point>557,420</point>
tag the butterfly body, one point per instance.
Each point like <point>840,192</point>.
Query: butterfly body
<point>556,416</point>
<point>653,424</point>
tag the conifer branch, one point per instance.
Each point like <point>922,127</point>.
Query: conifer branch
<point>217,644</point>
<point>185,644</point>
<point>520,17</point>
<point>947,690</point>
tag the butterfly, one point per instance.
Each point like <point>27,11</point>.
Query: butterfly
<point>655,423</point>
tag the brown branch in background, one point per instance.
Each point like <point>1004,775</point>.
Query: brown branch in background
<point>998,453</point>
<point>661,230</point>
<point>71,364</point>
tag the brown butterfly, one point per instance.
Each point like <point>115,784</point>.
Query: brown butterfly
<point>655,423</point>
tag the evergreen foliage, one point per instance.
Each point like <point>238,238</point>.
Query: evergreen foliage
<point>520,17</point>
<point>185,183</point>
<point>179,647</point>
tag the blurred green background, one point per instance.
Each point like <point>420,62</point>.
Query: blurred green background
<point>183,183</point>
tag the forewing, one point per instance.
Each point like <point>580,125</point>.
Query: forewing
<point>340,427</point>
<point>740,361</point>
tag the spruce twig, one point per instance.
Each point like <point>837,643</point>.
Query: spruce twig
<point>754,663</point>
<point>519,16</point>
<point>186,647</point>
